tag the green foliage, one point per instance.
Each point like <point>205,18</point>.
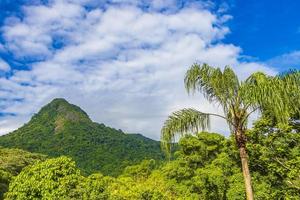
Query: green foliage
<point>95,187</point>
<point>5,179</point>
<point>12,161</point>
<point>275,153</point>
<point>203,168</point>
<point>143,169</point>
<point>51,179</point>
<point>236,190</point>
<point>61,128</point>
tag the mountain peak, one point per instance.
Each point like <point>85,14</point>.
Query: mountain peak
<point>62,106</point>
<point>59,101</point>
<point>59,112</point>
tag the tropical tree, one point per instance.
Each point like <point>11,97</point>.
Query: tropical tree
<point>276,95</point>
<point>55,178</point>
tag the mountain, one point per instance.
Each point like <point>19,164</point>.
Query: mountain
<point>61,128</point>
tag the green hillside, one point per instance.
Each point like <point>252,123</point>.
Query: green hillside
<point>61,128</point>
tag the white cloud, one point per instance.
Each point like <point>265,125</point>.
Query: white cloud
<point>246,69</point>
<point>4,66</point>
<point>290,60</point>
<point>124,65</point>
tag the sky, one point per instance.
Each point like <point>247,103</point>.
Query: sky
<point>123,61</point>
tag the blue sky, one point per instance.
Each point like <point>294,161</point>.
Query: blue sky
<point>265,29</point>
<point>123,61</point>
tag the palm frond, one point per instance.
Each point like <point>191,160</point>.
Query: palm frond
<point>197,78</point>
<point>216,86</point>
<point>231,83</point>
<point>291,90</point>
<point>278,95</point>
<point>254,89</point>
<point>181,122</point>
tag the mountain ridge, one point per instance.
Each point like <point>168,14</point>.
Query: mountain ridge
<point>61,128</point>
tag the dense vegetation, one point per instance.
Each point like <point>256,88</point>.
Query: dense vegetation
<point>61,128</point>
<point>206,166</point>
<point>12,161</point>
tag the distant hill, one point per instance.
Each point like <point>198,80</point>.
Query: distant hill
<point>61,128</point>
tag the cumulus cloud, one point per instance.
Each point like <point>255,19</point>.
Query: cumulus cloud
<point>121,62</point>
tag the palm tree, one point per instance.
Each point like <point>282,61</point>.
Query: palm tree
<point>238,99</point>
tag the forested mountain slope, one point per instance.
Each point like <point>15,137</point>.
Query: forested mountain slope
<point>61,128</point>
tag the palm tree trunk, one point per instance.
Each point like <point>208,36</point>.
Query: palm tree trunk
<point>246,172</point>
<point>240,138</point>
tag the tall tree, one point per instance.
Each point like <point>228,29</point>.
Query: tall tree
<point>276,95</point>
